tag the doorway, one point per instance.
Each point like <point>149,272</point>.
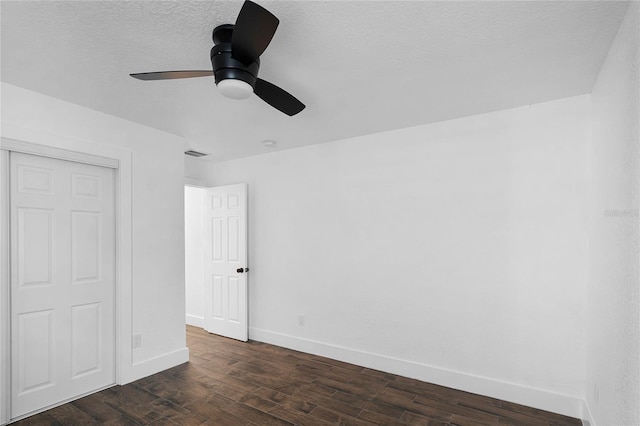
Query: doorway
<point>216,269</point>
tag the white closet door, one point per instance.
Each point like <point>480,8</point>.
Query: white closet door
<point>62,281</point>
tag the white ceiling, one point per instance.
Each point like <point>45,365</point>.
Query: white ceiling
<point>360,67</point>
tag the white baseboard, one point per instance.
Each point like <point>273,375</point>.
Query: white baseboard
<point>195,321</point>
<point>157,364</point>
<point>544,400</point>
<point>587,418</point>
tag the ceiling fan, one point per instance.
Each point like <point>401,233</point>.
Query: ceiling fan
<point>235,58</point>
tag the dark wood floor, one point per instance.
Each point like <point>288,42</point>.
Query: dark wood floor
<point>234,383</point>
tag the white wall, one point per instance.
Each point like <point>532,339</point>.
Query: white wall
<point>452,252</point>
<point>196,170</point>
<point>158,214</point>
<point>194,255</point>
<point>613,372</point>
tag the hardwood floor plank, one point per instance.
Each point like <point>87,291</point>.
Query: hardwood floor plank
<point>215,413</point>
<point>224,383</point>
<point>333,404</point>
<point>314,365</point>
<point>504,414</point>
<point>315,389</point>
<point>103,413</point>
<point>552,418</point>
<point>395,396</point>
<point>359,389</point>
<point>257,402</point>
<point>68,414</point>
<point>470,413</point>
<point>42,419</point>
<point>385,408</point>
<point>177,392</point>
<point>417,419</point>
<point>233,383</point>
<point>331,417</point>
<point>296,417</point>
<point>379,419</point>
<point>457,420</point>
<point>127,396</point>
<point>296,403</point>
<point>348,398</point>
<point>246,412</point>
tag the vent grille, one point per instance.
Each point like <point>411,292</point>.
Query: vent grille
<point>195,153</point>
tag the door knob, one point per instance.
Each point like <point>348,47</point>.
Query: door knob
<point>241,270</point>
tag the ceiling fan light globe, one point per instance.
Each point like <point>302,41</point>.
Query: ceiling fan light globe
<point>235,89</point>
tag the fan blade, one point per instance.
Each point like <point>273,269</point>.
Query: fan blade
<point>252,33</point>
<point>278,98</point>
<point>170,75</point>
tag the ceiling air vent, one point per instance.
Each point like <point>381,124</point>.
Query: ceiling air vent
<point>195,153</point>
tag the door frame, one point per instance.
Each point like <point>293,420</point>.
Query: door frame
<point>203,272</point>
<point>195,321</point>
<point>82,152</point>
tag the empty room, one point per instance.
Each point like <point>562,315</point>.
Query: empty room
<point>320,212</point>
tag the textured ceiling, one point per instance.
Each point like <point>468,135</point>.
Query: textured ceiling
<point>360,67</point>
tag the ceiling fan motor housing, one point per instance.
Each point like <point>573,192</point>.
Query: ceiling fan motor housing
<point>224,65</point>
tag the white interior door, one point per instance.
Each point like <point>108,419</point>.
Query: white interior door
<point>225,290</point>
<point>62,217</point>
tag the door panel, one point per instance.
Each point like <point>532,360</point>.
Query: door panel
<point>226,294</point>
<point>35,249</point>
<point>234,300</point>
<point>232,232</point>
<point>86,339</point>
<point>63,280</point>
<point>35,180</point>
<point>35,337</point>
<point>85,246</point>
